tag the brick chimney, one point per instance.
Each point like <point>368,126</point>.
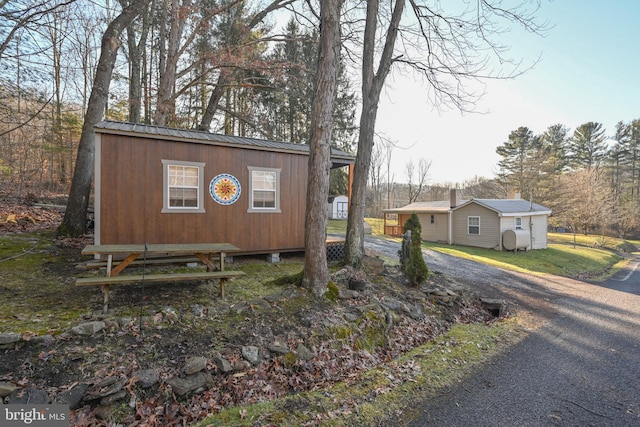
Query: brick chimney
<point>513,194</point>
<point>454,197</point>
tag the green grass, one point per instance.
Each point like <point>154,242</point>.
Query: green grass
<point>561,258</point>
<point>340,226</point>
<point>593,241</point>
<point>38,292</point>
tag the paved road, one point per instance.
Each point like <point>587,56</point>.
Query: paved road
<point>580,366</point>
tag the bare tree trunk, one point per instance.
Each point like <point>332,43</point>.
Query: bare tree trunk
<point>75,216</point>
<point>316,271</point>
<point>372,83</point>
<point>136,50</point>
<point>214,100</point>
<point>169,66</point>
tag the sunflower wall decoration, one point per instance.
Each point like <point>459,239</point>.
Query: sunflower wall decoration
<point>224,189</point>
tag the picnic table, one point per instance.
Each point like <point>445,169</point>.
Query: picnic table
<point>204,252</point>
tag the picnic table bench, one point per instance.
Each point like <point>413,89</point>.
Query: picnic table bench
<point>205,252</point>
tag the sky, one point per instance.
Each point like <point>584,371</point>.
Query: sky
<point>589,70</point>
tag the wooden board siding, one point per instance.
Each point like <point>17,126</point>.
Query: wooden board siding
<point>489,236</point>
<point>130,185</point>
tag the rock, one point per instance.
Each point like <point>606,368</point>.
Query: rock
<point>124,321</point>
<point>89,328</point>
<point>105,388</point>
<point>199,310</point>
<point>241,307</point>
<point>9,338</point>
<point>392,304</point>
<point>182,386</point>
<point>357,285</point>
<point>112,398</point>
<point>29,395</point>
<point>272,298</point>
<point>241,365</point>
<point>415,312</point>
<point>347,294</point>
<point>290,292</point>
<point>304,353</point>
<point>46,340</point>
<point>373,265</point>
<point>147,377</point>
<point>195,364</point>
<point>278,347</point>
<point>6,389</point>
<point>223,364</point>
<point>73,396</point>
<point>251,354</point>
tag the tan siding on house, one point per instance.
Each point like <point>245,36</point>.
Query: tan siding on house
<point>131,184</point>
<point>436,232</point>
<point>489,236</point>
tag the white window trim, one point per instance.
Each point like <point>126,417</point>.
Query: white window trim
<point>515,223</point>
<point>469,225</point>
<point>251,208</point>
<point>165,187</point>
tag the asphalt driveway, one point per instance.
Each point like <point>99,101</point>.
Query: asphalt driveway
<point>580,365</point>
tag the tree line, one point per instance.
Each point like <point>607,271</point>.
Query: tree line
<point>199,65</point>
<point>590,180</point>
<point>222,66</point>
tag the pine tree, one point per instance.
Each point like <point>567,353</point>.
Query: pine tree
<point>416,268</point>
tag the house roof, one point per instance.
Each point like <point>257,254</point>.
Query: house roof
<point>507,207</point>
<point>338,157</point>
<point>435,207</point>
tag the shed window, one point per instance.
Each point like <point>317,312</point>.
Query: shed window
<point>518,223</point>
<point>473,224</point>
<point>183,186</point>
<point>433,219</point>
<point>264,191</point>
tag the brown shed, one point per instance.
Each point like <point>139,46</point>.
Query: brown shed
<point>161,185</point>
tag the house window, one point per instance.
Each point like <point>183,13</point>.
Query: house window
<point>182,188</point>
<point>473,223</point>
<point>264,190</point>
<point>433,219</point>
<point>518,223</point>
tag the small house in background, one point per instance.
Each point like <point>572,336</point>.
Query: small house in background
<point>162,185</point>
<point>502,224</point>
<point>338,207</point>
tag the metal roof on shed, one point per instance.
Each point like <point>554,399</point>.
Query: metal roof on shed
<point>202,137</point>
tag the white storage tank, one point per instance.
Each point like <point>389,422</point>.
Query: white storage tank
<point>516,239</point>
